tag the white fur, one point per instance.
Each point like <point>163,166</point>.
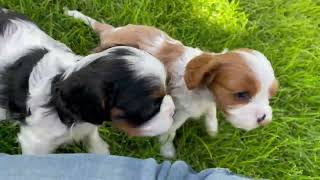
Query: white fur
<point>162,122</point>
<point>145,64</point>
<point>28,35</point>
<point>4,10</point>
<point>79,15</point>
<point>3,114</point>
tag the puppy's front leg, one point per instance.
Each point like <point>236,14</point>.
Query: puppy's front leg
<point>167,148</point>
<point>211,121</point>
<point>34,144</point>
<point>96,144</point>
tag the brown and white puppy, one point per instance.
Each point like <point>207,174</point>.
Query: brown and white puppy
<point>239,82</point>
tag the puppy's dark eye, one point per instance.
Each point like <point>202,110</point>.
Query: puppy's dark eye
<point>244,95</point>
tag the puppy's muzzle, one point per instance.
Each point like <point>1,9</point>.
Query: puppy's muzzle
<point>161,122</point>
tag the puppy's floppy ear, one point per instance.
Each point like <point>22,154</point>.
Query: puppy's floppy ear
<point>200,70</point>
<point>78,101</point>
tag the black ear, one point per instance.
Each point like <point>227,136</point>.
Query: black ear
<point>80,101</point>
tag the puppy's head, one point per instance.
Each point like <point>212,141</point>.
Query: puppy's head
<point>241,81</point>
<point>123,85</point>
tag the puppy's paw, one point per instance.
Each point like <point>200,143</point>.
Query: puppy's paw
<point>212,132</point>
<point>211,125</point>
<point>101,151</point>
<point>168,151</point>
<point>102,148</point>
<point>72,13</point>
<point>66,11</point>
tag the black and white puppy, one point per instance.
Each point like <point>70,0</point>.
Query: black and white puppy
<point>59,97</point>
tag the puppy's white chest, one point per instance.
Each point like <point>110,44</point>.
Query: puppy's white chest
<point>195,103</point>
<point>200,103</point>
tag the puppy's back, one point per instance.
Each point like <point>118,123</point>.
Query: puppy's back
<point>18,35</point>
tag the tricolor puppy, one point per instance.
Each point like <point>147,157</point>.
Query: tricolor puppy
<point>59,96</point>
<point>240,82</point>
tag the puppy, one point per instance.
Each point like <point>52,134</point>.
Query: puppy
<point>239,82</point>
<point>59,96</point>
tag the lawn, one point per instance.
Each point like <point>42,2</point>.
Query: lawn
<point>286,31</point>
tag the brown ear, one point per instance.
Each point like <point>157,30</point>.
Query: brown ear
<point>200,70</point>
<point>274,88</point>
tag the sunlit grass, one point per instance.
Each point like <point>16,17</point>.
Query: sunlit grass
<point>287,32</point>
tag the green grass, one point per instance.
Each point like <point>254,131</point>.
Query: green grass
<point>286,31</point>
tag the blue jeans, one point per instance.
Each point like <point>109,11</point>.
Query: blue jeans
<point>98,167</point>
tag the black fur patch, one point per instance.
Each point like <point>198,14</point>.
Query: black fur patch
<point>14,84</point>
<point>5,18</point>
<point>89,94</point>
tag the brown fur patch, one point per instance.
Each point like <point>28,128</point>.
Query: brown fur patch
<point>142,37</point>
<point>274,88</point>
<point>225,75</point>
<point>122,124</point>
<point>169,52</point>
<point>159,94</point>
<point>116,112</point>
<point>199,69</point>
<point>100,27</point>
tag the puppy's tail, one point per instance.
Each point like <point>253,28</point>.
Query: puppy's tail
<point>94,24</point>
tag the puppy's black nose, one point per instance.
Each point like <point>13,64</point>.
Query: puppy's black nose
<point>260,119</point>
